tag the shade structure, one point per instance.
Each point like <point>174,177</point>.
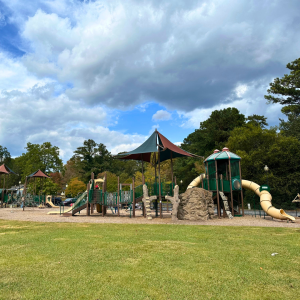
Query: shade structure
<point>167,149</point>
<point>170,150</point>
<point>38,174</point>
<point>6,170</point>
<point>224,154</point>
<point>143,152</point>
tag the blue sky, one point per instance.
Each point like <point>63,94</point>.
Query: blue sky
<point>115,70</point>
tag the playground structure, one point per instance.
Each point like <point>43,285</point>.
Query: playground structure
<point>35,175</point>
<point>101,200</point>
<point>223,177</point>
<point>49,202</point>
<point>16,197</point>
<point>156,149</point>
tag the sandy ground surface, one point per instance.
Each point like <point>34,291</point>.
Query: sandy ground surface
<point>40,215</point>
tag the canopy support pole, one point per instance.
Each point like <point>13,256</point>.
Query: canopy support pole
<point>217,186</point>
<point>142,166</point>
<point>232,208</point>
<point>118,203</point>
<point>159,188</point>
<point>242,197</point>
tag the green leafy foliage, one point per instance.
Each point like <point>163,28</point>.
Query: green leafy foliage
<point>257,120</point>
<point>75,187</point>
<point>286,90</point>
<point>44,157</point>
<point>92,157</point>
<point>50,187</point>
<point>214,132</point>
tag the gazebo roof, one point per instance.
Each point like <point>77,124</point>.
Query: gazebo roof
<point>6,170</point>
<point>224,154</point>
<point>39,174</point>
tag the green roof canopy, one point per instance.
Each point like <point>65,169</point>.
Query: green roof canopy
<point>143,152</point>
<point>224,154</point>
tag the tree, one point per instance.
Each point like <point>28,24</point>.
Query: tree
<point>50,187</point>
<point>259,147</point>
<point>214,132</point>
<point>6,159</point>
<point>44,157</point>
<point>56,178</point>
<point>286,91</point>
<point>92,157</point>
<point>69,171</point>
<point>75,186</point>
<point>257,120</point>
<point>4,154</point>
<point>287,88</point>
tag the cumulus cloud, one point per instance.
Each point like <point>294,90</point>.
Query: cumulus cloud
<point>183,55</point>
<point>161,115</point>
<point>37,115</point>
<point>87,60</point>
<point>249,101</point>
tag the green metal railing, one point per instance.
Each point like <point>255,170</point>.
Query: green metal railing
<point>166,188</point>
<point>211,183</point>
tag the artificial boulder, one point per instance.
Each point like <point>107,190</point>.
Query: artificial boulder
<point>196,204</point>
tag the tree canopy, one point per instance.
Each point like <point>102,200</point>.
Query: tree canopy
<point>44,157</point>
<point>286,90</point>
<point>214,132</point>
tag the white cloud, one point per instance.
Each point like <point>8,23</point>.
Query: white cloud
<point>184,56</point>
<point>161,115</point>
<point>125,148</point>
<point>84,59</point>
<point>250,101</point>
<point>14,76</point>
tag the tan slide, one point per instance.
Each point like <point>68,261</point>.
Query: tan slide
<point>266,201</point>
<point>265,198</point>
<point>49,201</point>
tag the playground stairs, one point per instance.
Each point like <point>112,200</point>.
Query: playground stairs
<point>226,206</point>
<point>76,210</point>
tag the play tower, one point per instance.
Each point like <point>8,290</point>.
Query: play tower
<point>223,178</point>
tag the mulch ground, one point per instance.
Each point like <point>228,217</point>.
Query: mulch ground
<point>40,215</point>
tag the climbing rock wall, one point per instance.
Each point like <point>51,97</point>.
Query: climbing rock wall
<point>196,204</point>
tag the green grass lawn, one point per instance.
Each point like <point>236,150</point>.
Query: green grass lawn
<point>112,261</point>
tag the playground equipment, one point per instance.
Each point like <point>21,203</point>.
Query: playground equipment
<point>99,199</point>
<point>80,204</point>
<point>223,173</point>
<point>4,170</point>
<point>49,202</point>
<point>3,196</point>
<point>156,143</point>
<point>34,175</point>
<point>266,201</point>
